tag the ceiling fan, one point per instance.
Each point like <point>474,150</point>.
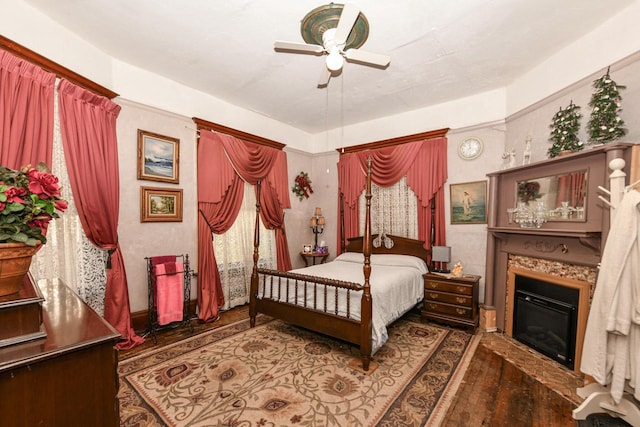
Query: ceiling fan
<point>337,31</point>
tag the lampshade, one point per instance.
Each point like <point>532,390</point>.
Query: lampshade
<point>334,61</point>
<point>441,253</point>
<point>318,212</point>
<point>321,220</point>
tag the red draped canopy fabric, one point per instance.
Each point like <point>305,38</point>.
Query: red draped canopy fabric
<point>224,162</point>
<point>425,165</point>
<point>88,125</point>
<point>26,112</point>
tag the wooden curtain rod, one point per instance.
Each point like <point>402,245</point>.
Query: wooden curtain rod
<point>55,68</point>
<point>206,125</point>
<point>438,133</point>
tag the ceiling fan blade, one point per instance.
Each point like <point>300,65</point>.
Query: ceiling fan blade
<point>325,75</point>
<point>367,58</point>
<point>348,18</point>
<point>298,47</point>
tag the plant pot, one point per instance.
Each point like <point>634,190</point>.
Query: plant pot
<point>15,260</point>
<point>565,152</point>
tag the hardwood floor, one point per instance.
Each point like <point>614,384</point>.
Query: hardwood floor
<point>495,392</point>
<point>506,383</point>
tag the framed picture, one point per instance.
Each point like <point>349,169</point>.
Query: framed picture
<point>160,204</point>
<point>158,157</point>
<point>469,202</point>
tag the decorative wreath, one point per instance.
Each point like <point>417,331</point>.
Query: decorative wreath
<point>302,187</point>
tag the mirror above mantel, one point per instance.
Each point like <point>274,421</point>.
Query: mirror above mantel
<point>564,195</point>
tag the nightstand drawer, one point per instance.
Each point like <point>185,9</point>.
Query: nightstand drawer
<point>457,299</point>
<point>454,288</point>
<point>450,309</point>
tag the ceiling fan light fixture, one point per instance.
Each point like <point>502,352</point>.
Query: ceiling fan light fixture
<point>335,61</point>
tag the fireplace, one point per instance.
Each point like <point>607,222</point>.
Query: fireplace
<point>545,311</point>
<point>564,252</point>
<point>545,318</point>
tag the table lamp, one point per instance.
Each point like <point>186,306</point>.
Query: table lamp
<point>317,226</point>
<point>440,255</point>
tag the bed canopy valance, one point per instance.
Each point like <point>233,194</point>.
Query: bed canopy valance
<point>424,162</point>
<point>225,162</point>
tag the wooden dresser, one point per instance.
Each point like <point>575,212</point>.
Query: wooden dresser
<point>68,378</point>
<point>452,300</point>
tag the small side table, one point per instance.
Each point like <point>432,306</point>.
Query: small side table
<point>313,256</point>
<point>451,299</point>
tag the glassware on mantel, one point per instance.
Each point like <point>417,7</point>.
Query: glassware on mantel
<point>528,217</point>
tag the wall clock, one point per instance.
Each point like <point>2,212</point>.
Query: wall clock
<point>470,148</point>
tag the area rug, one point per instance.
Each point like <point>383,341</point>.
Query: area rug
<point>280,375</point>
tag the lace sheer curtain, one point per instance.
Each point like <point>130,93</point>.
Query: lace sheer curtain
<point>234,252</point>
<point>394,210</point>
<point>68,254</point>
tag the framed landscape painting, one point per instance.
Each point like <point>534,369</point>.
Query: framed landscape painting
<point>160,204</point>
<point>469,202</point>
<point>158,157</point>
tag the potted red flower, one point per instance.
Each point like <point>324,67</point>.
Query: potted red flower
<point>29,200</point>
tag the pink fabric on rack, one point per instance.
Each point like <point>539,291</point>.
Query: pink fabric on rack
<point>169,294</point>
<point>171,268</point>
<point>162,259</point>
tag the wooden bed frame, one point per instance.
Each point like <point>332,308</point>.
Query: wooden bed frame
<point>325,318</point>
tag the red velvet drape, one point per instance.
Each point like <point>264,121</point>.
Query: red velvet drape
<point>425,165</point>
<point>88,125</point>
<point>26,112</point>
<point>223,163</point>
<point>220,192</point>
<point>571,188</point>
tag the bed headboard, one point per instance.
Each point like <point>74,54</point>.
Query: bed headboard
<point>401,246</point>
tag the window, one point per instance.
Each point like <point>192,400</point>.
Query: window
<point>394,210</point>
<point>234,252</point>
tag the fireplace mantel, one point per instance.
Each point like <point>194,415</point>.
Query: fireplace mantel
<point>574,242</point>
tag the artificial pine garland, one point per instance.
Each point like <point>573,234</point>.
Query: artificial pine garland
<point>564,130</point>
<point>605,124</point>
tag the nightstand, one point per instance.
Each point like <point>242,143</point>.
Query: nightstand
<point>450,299</point>
<point>313,256</point>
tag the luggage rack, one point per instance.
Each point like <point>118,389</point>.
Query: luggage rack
<point>153,325</point>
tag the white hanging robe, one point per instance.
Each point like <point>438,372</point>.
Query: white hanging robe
<point>610,350</point>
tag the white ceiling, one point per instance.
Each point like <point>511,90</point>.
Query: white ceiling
<point>440,49</point>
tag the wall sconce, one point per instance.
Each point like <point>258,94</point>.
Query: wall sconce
<point>317,226</point>
<point>441,255</point>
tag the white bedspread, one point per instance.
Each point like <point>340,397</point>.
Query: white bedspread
<point>396,286</point>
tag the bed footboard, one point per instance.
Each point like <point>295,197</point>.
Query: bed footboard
<point>332,307</point>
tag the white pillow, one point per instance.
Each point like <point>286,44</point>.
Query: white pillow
<point>399,261</point>
<point>351,257</point>
<point>386,259</point>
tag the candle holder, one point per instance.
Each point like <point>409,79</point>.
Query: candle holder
<point>527,216</point>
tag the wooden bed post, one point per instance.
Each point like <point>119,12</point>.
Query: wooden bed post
<point>366,308</point>
<point>432,233</point>
<point>342,239</point>
<point>254,274</point>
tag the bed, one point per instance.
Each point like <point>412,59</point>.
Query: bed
<point>353,298</point>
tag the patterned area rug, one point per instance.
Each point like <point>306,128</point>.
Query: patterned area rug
<point>276,374</point>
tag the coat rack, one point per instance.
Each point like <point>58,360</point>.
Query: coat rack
<point>616,183</point>
<point>597,398</point>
